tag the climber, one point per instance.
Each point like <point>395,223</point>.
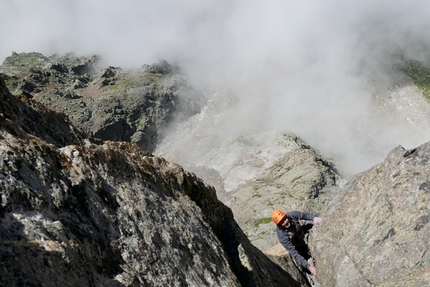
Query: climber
<point>291,229</point>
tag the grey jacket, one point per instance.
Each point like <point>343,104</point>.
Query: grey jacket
<point>290,237</point>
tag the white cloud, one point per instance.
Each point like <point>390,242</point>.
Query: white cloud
<point>313,64</point>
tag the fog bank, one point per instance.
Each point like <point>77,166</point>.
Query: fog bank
<point>311,67</point>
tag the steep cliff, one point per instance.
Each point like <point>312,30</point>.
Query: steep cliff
<point>376,228</point>
<point>77,211</point>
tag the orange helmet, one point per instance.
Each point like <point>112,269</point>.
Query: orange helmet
<point>277,216</point>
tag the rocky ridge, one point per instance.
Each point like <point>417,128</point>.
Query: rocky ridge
<point>107,103</point>
<point>81,211</point>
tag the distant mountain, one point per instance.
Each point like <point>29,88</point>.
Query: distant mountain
<point>109,103</point>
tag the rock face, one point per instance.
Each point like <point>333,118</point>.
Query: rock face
<point>77,211</point>
<point>109,103</point>
<point>376,229</point>
<point>298,179</point>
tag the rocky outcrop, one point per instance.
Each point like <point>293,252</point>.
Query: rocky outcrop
<point>376,229</point>
<point>77,211</point>
<point>298,179</point>
<point>109,103</point>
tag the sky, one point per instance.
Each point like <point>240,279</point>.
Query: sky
<point>312,67</point>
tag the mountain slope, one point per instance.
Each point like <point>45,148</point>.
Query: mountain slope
<point>79,211</point>
<point>109,103</point>
<point>252,173</point>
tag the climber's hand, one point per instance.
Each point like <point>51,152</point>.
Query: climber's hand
<point>318,220</point>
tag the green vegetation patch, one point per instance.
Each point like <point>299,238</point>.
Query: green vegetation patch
<point>264,220</point>
<point>420,75</point>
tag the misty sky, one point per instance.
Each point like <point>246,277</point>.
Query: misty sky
<point>311,67</point>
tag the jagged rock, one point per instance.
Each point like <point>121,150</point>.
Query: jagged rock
<point>376,228</point>
<point>109,76</point>
<point>110,103</point>
<point>60,68</point>
<point>36,120</point>
<point>77,211</point>
<point>162,67</point>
